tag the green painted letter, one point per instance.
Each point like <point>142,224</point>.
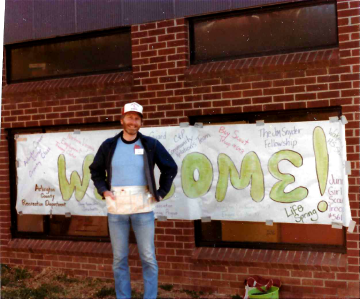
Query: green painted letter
<point>191,187</point>
<point>321,158</point>
<point>80,186</point>
<point>277,191</point>
<point>250,171</point>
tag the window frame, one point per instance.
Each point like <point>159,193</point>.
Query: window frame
<point>77,37</point>
<point>11,133</point>
<point>251,118</point>
<point>272,7</point>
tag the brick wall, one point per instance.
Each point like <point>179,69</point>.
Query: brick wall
<point>170,90</point>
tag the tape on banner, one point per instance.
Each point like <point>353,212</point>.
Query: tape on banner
<point>336,225</point>
<point>161,218</point>
<point>269,222</point>
<point>351,226</point>
<point>333,119</point>
<point>17,164</point>
<point>67,215</point>
<point>77,131</point>
<point>348,167</point>
<point>260,122</point>
<point>344,120</point>
<point>206,219</point>
<point>51,214</point>
<point>20,213</point>
<point>198,125</point>
<point>183,125</point>
<point>18,138</point>
<point>21,139</point>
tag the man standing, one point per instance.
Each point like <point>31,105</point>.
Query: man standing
<point>123,172</point>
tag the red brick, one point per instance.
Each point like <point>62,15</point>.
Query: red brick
<point>221,88</point>
<point>273,91</point>
<point>296,105</point>
<point>348,13</point>
<point>253,93</point>
<point>205,89</point>
<point>231,95</point>
<point>230,80</point>
<point>328,94</point>
<point>317,87</point>
<point>347,276</point>
<point>140,48</point>
<point>164,24</point>
<point>308,80</point>
<point>262,100</point>
<point>221,103</point>
<point>166,51</point>
<point>268,107</point>
<point>322,103</point>
<point>263,84</point>
<point>253,108</point>
<point>294,89</point>
<point>287,82</point>
<point>166,37</point>
<point>350,92</point>
<point>241,86</point>
<point>156,32</point>
<point>313,282</point>
<point>147,40</point>
<point>294,74</point>
<point>284,98</point>
<point>324,275</point>
<point>145,27</point>
<point>305,96</point>
<point>139,34</point>
<point>177,43</point>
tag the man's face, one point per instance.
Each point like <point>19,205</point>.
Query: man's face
<point>131,122</point>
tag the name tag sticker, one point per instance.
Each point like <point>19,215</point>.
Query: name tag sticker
<point>139,151</point>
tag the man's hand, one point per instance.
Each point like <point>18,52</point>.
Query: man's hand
<point>109,194</point>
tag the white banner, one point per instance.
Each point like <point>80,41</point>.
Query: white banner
<point>284,172</point>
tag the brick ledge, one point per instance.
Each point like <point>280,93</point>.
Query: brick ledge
<point>81,248</point>
<point>264,64</point>
<point>282,259</point>
<point>55,85</point>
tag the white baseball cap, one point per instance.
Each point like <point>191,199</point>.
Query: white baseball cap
<point>132,107</point>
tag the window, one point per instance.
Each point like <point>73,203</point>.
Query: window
<point>284,236</point>
<point>57,227</point>
<point>264,31</point>
<point>69,56</point>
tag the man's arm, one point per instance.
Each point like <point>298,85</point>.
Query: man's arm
<point>98,172</point>
<point>168,169</point>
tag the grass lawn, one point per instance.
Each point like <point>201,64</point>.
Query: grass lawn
<point>53,283</point>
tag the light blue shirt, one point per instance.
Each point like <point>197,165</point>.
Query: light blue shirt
<point>127,168</point>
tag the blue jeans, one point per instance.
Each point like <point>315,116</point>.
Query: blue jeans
<point>144,229</point>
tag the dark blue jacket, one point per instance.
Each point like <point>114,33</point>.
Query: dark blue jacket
<point>154,153</point>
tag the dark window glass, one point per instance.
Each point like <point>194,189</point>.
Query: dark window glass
<point>264,31</point>
<point>69,56</point>
<point>221,233</point>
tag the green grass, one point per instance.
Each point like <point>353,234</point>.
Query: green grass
<point>105,291</point>
<point>193,294</point>
<point>66,279</point>
<point>12,276</point>
<point>136,295</point>
<point>42,292</point>
<point>20,283</point>
<point>21,274</point>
